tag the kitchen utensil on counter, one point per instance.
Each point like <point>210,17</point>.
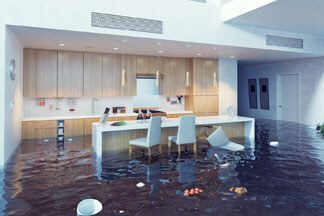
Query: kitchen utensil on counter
<point>104,116</point>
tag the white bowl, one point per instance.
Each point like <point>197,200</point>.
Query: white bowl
<point>89,207</point>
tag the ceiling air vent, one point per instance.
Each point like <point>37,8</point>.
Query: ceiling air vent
<point>126,23</point>
<point>273,40</point>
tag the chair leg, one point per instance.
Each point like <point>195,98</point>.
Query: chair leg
<point>179,150</point>
<point>160,148</point>
<point>169,145</point>
<point>130,150</point>
<point>149,152</point>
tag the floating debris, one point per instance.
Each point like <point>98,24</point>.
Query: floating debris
<point>140,184</point>
<point>274,143</point>
<point>89,207</point>
<point>121,212</point>
<point>192,191</point>
<point>238,190</point>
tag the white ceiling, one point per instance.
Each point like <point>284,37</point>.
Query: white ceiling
<point>79,41</point>
<point>301,16</point>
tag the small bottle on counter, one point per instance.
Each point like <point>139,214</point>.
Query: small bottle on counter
<point>140,117</point>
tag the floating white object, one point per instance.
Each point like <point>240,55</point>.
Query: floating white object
<point>89,207</point>
<point>70,139</point>
<point>216,155</point>
<point>274,143</point>
<point>140,184</point>
<point>224,165</point>
<point>121,212</point>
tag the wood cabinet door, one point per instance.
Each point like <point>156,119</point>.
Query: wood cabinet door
<point>196,76</point>
<point>29,73</point>
<point>167,81</point>
<point>205,104</point>
<point>209,77</point>
<point>73,127</point>
<point>88,125</point>
<point>129,87</point>
<point>93,74</point>
<point>179,76</point>
<point>45,129</point>
<point>70,74</point>
<point>111,74</point>
<point>46,73</point>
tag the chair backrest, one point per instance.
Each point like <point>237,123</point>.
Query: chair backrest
<point>187,130</point>
<point>154,131</point>
<point>218,137</point>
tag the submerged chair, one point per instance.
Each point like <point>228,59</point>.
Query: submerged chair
<point>153,137</point>
<point>220,139</point>
<point>186,134</point>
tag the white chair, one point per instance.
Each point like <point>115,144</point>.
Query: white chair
<point>220,139</point>
<point>153,137</point>
<point>186,134</point>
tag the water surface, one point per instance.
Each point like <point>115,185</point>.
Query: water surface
<point>46,179</point>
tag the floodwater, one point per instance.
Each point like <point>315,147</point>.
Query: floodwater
<point>46,179</point>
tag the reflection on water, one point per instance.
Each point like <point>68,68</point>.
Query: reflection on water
<point>46,179</point>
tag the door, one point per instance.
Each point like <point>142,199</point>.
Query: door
<point>288,97</point>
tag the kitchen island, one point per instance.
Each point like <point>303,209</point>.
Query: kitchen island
<point>113,138</point>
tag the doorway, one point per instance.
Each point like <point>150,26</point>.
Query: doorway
<point>288,97</point>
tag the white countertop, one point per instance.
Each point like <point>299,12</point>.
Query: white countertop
<point>50,118</point>
<point>172,122</point>
<point>76,117</point>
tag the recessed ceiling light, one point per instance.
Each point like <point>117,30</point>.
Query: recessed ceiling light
<point>161,51</point>
<point>199,54</point>
<point>232,56</point>
<point>158,43</point>
<point>90,46</point>
<point>188,46</point>
<point>215,48</point>
<point>62,44</point>
<point>115,48</point>
<point>124,41</point>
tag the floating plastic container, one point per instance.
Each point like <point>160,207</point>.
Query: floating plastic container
<point>89,207</point>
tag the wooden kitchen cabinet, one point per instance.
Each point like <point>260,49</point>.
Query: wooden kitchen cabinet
<point>174,81</point>
<point>29,73</point>
<point>129,88</point>
<point>70,74</point>
<point>167,82</point>
<point>93,67</point>
<point>38,130</point>
<point>73,127</point>
<point>205,105</point>
<point>205,76</point>
<point>179,76</point>
<point>88,125</point>
<point>147,64</point>
<point>111,74</point>
<point>46,73</point>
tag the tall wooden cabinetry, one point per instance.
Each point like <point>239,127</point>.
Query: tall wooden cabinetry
<point>203,98</point>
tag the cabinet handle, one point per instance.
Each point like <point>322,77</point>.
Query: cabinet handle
<point>214,79</point>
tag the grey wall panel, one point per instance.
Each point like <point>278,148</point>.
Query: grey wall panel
<point>253,97</point>
<point>264,94</point>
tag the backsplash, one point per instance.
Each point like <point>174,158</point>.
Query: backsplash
<point>83,106</point>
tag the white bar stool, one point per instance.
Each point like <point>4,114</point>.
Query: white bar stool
<point>220,139</point>
<point>153,137</point>
<point>186,133</point>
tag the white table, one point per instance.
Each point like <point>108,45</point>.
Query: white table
<point>99,129</point>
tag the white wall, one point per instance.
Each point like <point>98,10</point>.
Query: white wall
<point>311,75</point>
<point>183,21</point>
<point>227,85</point>
<point>13,93</point>
<point>2,92</point>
